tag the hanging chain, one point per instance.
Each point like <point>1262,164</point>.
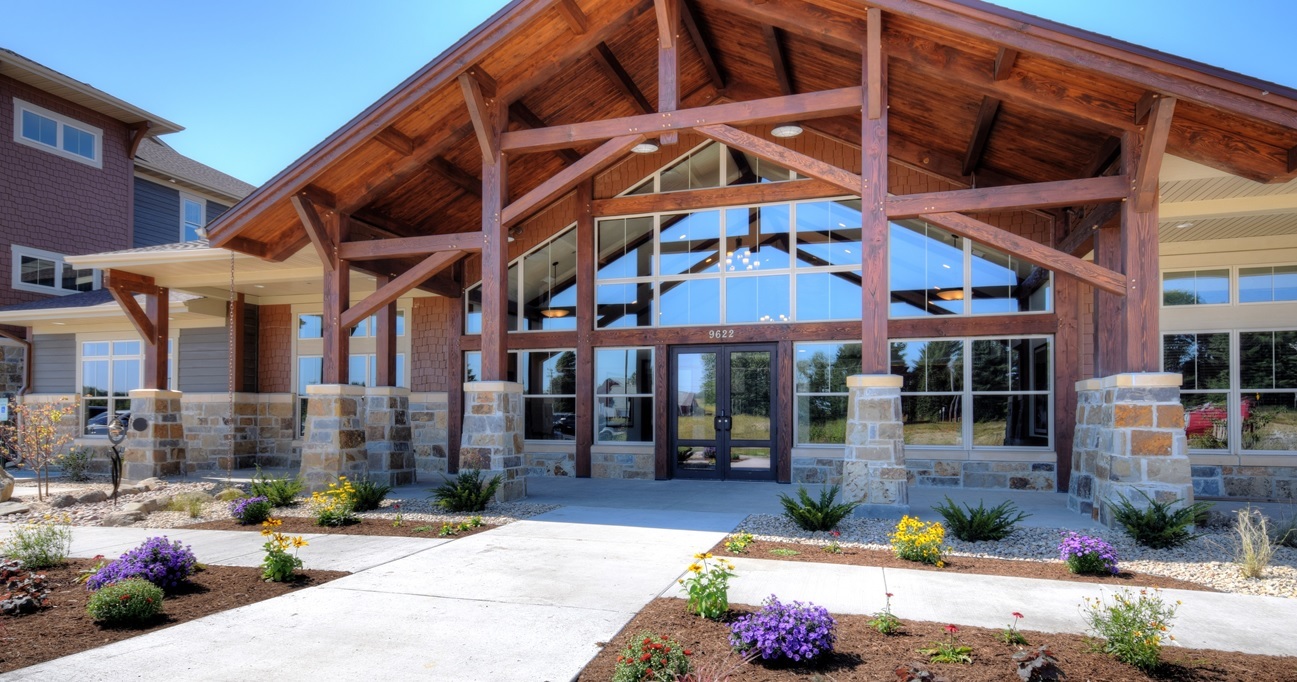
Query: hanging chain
<point>229,461</point>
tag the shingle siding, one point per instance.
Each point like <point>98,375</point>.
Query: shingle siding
<point>54,367</point>
<point>157,214</point>
<point>204,360</point>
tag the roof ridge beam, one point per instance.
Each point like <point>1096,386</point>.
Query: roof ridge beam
<point>1010,197</point>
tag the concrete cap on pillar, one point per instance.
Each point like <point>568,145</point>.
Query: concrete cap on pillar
<point>874,381</point>
<point>387,390</point>
<point>154,393</point>
<point>492,387</point>
<point>1144,380</point>
<point>334,389</point>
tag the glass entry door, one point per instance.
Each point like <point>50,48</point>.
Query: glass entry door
<point>723,418</point>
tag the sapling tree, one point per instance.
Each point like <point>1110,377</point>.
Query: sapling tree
<point>37,436</point>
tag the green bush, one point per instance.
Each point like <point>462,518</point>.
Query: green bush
<point>1159,525</point>
<point>369,494</point>
<point>230,495</point>
<point>1284,531</point>
<point>39,545</point>
<point>1132,626</point>
<point>281,491</point>
<point>467,492</point>
<point>811,515</point>
<point>979,524</point>
<point>128,602</point>
<point>76,464</point>
<point>650,657</point>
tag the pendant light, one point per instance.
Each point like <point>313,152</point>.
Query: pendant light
<point>550,311</point>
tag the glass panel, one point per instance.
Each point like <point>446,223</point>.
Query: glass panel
<point>929,366</point>
<point>746,169</point>
<point>193,212</point>
<point>623,419</point>
<point>1269,421</point>
<point>1202,359</point>
<point>995,366</point>
<point>932,419</point>
<point>757,299</point>
<point>511,321</point>
<point>1285,283</point>
<point>821,419</point>
<point>1004,284</point>
<point>824,367</point>
<point>645,187</point>
<point>96,348</point>
<point>1255,285</point>
<point>126,348</point>
<point>78,280</point>
<point>926,271</point>
<point>362,330</point>
<point>549,372</point>
<point>696,396</point>
<point>400,323</point>
<point>750,395</point>
<point>357,370</point>
<point>39,271</point>
<point>472,366</point>
<point>1206,420</point>
<point>828,233</point>
<point>1267,360</point>
<point>750,459</point>
<point>1011,420</point>
<point>310,371</point>
<point>549,285</point>
<point>623,305</point>
<point>756,238</point>
<point>473,310</point>
<point>400,371</point>
<point>828,296</point>
<point>690,243</point>
<point>40,129</point>
<point>549,418</point>
<point>78,142</point>
<point>623,371</point>
<point>1195,288</point>
<point>625,248</point>
<point>94,377</point>
<point>310,326</point>
<point>97,417</point>
<point>690,302</point>
<point>699,170</point>
<point>126,376</point>
<point>696,458</point>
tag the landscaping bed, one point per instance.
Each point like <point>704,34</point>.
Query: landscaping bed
<point>858,556</point>
<point>863,654</point>
<point>299,525</point>
<point>65,628</point>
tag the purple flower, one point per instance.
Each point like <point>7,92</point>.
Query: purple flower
<point>1087,554</point>
<point>795,631</point>
<point>158,561</point>
<point>250,510</point>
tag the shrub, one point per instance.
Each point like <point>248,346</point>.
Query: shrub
<point>1131,627</point>
<point>1252,535</point>
<point>467,492</point>
<point>1085,554</point>
<point>1160,524</point>
<point>1284,531</point>
<point>282,491</point>
<point>708,586</point>
<point>251,510</point>
<point>915,540</point>
<point>39,544</point>
<point>279,566</point>
<point>795,631</point>
<point>76,464</point>
<point>190,503</point>
<point>24,591</point>
<point>949,650</point>
<point>369,494</point>
<point>231,494</point>
<point>652,658</point>
<point>1037,665</point>
<point>335,506</point>
<point>978,524</point>
<point>451,529</point>
<point>128,602</point>
<point>811,515</point>
<point>159,561</point>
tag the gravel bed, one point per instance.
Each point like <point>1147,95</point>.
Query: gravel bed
<point>1207,559</point>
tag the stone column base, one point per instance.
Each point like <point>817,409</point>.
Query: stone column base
<point>159,448</point>
<point>492,436</point>
<point>429,414</point>
<point>387,435</point>
<point>873,472</point>
<point>335,436</point>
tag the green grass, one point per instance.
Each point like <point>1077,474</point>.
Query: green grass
<point>780,551</point>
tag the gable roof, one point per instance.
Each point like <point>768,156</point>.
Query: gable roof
<point>160,158</point>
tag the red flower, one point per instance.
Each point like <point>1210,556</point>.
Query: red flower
<point>125,597</point>
<point>952,629</point>
<point>645,657</point>
<point>688,652</point>
<point>836,534</point>
<point>1017,615</point>
<point>889,594</point>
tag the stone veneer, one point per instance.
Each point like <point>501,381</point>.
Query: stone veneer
<point>551,461</point>
<point>430,434</point>
<point>873,470</point>
<point>159,448</point>
<point>624,464</point>
<point>982,475</point>
<point>213,443</point>
<point>388,434</point>
<point>1247,482</point>
<point>1129,439</point>
<point>335,435</point>
<point>492,438</point>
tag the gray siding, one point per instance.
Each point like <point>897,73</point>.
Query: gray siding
<point>214,210</point>
<point>54,366</point>
<point>204,360</point>
<point>157,214</point>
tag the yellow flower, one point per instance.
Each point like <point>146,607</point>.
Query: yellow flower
<point>300,542</point>
<point>695,568</point>
<point>266,531</point>
<point>707,555</point>
<point>700,555</point>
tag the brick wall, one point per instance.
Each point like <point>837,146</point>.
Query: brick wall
<point>275,349</point>
<point>430,344</point>
<point>54,203</point>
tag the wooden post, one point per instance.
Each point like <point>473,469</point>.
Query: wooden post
<point>1067,371</point>
<point>668,16</point>
<point>585,264</point>
<point>337,296</point>
<point>155,348</point>
<point>664,409</point>
<point>1140,253</point>
<point>490,119</point>
<point>784,431</point>
<point>385,353</point>
<point>873,204</point>
<point>455,386</point>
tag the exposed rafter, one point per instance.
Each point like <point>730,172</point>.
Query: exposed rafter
<point>572,14</point>
<point>777,60</point>
<point>981,133</point>
<point>617,75</point>
<point>461,178</point>
<point>1004,62</point>
<point>395,140</point>
<point>1152,150</point>
<point>702,45</point>
<point>313,221</point>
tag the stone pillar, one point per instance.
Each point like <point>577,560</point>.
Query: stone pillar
<point>873,471</point>
<point>492,437</point>
<point>335,435</point>
<point>1129,439</point>
<point>159,448</point>
<point>429,420</point>
<point>387,435</point>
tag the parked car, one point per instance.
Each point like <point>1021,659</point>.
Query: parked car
<point>1206,417</point>
<point>98,424</point>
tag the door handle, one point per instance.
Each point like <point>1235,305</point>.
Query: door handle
<point>722,422</point>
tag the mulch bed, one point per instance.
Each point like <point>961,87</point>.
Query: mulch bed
<point>1048,570</point>
<point>299,525</point>
<point>864,654</point>
<point>65,628</point>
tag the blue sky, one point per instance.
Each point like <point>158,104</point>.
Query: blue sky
<point>257,83</point>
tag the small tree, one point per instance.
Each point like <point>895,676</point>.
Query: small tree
<point>37,436</point>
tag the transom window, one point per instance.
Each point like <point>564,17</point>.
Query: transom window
<point>709,165</point>
<point>1195,287</point>
<point>43,129</point>
<point>45,272</point>
<point>547,277</point>
<point>933,272</point>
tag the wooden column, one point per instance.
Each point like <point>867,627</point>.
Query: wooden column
<point>584,328</point>
<point>455,385</point>
<point>1140,253</point>
<point>668,16</point>
<point>337,296</point>
<point>489,120</point>
<point>155,348</point>
<point>873,199</point>
<point>1109,310</point>
<point>1067,371</point>
<point>784,393</point>
<point>664,409</point>
<point>385,352</point>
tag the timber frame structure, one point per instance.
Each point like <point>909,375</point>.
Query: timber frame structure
<point>1010,114</point>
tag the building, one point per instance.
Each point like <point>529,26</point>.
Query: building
<point>933,243</point>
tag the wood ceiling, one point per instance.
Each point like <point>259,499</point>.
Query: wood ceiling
<point>959,103</point>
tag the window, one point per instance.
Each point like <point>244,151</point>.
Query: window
<point>711,165</point>
<point>820,384</point>
<point>362,368</point>
<point>1268,385</point>
<point>45,272</point>
<point>1203,360</point>
<point>547,300</point>
<point>193,217</point>
<point>623,395</point>
<point>1264,285</point>
<point>1195,287</point>
<point>110,370</point>
<point>548,379</point>
<point>43,129</point>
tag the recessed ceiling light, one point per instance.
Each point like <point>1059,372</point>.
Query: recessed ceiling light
<point>1181,226</point>
<point>645,147</point>
<point>60,324</point>
<point>787,130</point>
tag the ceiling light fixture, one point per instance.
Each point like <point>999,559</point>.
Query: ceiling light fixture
<point>1181,226</point>
<point>787,130</point>
<point>550,311</point>
<point>951,295</point>
<point>645,147</point>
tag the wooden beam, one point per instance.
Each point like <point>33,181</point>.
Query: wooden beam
<point>1079,241</point>
<point>403,247</point>
<point>395,140</point>
<point>702,45</point>
<point>585,265</point>
<point>777,61</point>
<point>1145,182</point>
<point>737,195</point>
<point>460,178</point>
<point>765,149</point>
<point>981,133</point>
<point>1028,250</point>
<point>569,177</point>
<point>772,110</point>
<point>875,64</point>
<point>385,340</point>
<point>138,132</point>
<point>1004,61</point>
<point>668,16</point>
<point>1144,106</point>
<point>617,75</point>
<point>1067,371</point>
<point>572,14</point>
<point>495,255</point>
<point>399,286</point>
<point>526,118</point>
<point>484,80</point>
<point>478,105</point>
<point>1292,160</point>
<point>314,225</point>
<point>875,355</point>
<point>123,286</point>
<point>1105,157</point>
<point>1035,195</point>
<point>155,347</point>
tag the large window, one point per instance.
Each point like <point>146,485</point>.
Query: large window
<point>548,379</point>
<point>45,272</point>
<point>110,370</point>
<point>820,381</point>
<point>623,395</point>
<point>546,276</point>
<point>1203,361</point>
<point>712,165</point>
<point>362,367</point>
<point>1195,287</point>
<point>933,272</point>
<point>43,129</point>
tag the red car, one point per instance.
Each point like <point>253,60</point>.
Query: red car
<point>1204,418</point>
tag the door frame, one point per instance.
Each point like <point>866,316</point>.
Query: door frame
<point>723,471</point>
